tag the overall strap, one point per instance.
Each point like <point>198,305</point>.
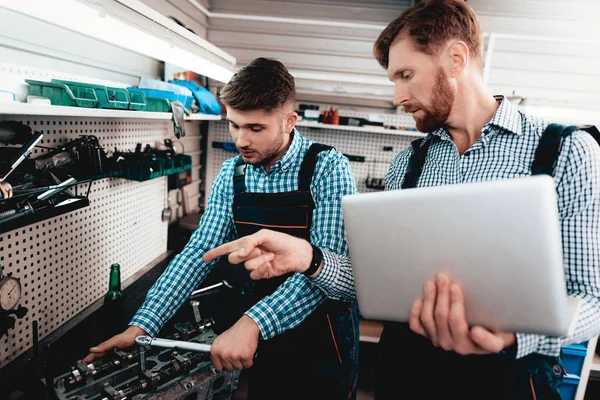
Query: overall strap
<point>548,149</point>
<point>239,176</point>
<point>416,162</point>
<point>308,166</point>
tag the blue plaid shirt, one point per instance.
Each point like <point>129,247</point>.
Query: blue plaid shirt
<point>299,295</point>
<point>505,150</point>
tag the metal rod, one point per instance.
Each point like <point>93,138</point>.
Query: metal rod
<point>203,291</point>
<point>196,307</point>
<point>7,213</point>
<point>33,191</point>
<point>142,354</point>
<point>25,151</point>
<point>173,344</point>
<point>63,186</point>
<point>89,188</point>
<point>9,217</point>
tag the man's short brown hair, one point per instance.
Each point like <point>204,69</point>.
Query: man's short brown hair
<point>263,84</point>
<point>430,24</point>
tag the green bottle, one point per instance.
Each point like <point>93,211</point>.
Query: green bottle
<point>114,303</point>
<point>114,285</point>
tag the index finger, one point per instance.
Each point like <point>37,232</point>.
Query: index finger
<point>223,249</point>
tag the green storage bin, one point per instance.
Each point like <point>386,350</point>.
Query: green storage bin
<point>169,166</point>
<point>183,162</point>
<point>154,104</point>
<point>108,97</point>
<point>63,95</point>
<point>118,98</point>
<point>143,170</point>
<point>137,100</point>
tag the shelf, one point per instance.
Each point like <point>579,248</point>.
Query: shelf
<point>365,129</point>
<point>596,363</point>
<point>18,221</point>
<point>203,117</point>
<point>63,111</point>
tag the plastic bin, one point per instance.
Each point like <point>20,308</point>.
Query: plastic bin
<point>569,386</point>
<point>183,162</point>
<point>108,97</point>
<point>143,170</point>
<point>60,94</point>
<point>573,357</point>
<point>137,100</point>
<point>153,103</point>
<point>164,94</point>
<point>169,166</point>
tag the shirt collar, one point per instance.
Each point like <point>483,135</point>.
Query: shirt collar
<point>291,154</point>
<point>507,117</point>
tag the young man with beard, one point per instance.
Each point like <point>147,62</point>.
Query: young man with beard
<point>433,53</point>
<point>305,329</point>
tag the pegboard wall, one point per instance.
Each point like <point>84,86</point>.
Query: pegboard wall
<point>366,144</point>
<point>397,119</point>
<point>64,262</point>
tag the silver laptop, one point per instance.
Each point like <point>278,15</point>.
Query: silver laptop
<point>500,240</point>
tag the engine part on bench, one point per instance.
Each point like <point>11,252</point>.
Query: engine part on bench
<point>168,373</point>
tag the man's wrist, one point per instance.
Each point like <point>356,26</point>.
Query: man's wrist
<point>315,262</point>
<point>136,330</point>
<point>251,324</point>
<point>305,256</point>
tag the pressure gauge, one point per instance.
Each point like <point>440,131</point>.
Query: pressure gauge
<point>10,293</point>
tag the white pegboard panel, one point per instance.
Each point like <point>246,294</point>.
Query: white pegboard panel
<point>400,119</point>
<point>64,262</point>
<point>368,145</point>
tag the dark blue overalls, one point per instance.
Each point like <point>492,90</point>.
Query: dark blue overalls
<point>409,361</point>
<point>319,358</point>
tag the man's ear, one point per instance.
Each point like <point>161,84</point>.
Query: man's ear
<point>457,57</point>
<point>290,121</point>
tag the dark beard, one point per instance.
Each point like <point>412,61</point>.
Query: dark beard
<point>272,152</point>
<point>442,99</point>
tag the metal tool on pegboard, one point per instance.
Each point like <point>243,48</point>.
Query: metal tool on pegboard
<point>5,187</point>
